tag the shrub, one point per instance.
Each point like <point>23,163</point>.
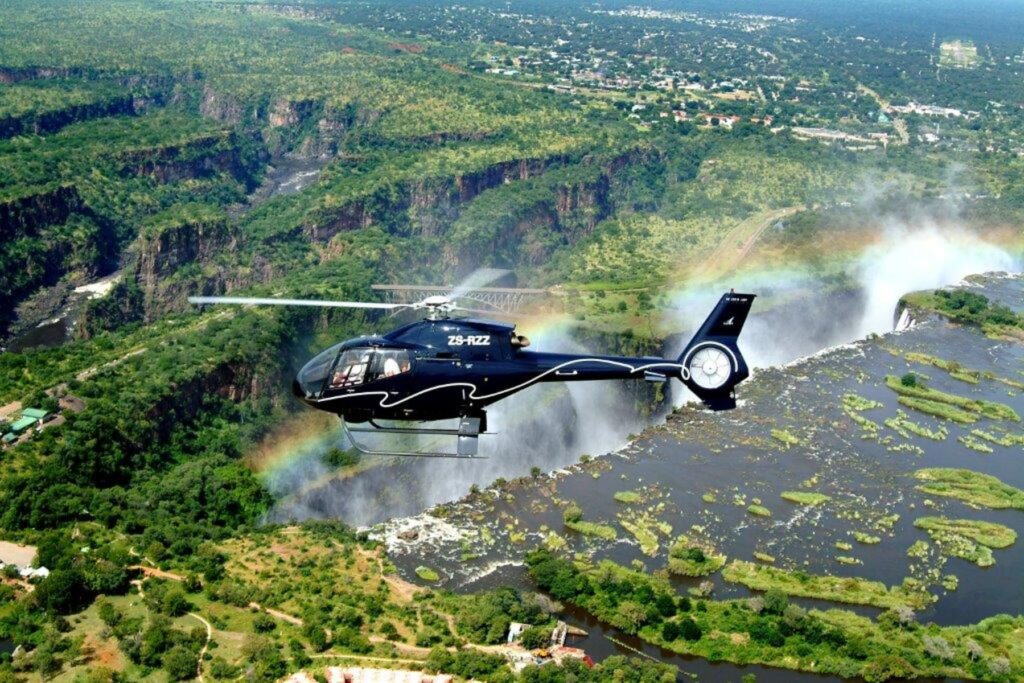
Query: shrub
<point>670,631</point>
<point>263,623</point>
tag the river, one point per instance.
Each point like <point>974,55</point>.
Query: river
<point>480,540</point>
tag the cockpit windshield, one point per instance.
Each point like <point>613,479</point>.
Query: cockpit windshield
<point>314,373</point>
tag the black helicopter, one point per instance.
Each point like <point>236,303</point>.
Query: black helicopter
<point>445,368</point>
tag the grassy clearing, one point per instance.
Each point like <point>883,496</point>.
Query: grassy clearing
<point>959,54</point>
<point>805,497</point>
<point>973,488</point>
<point>851,590</point>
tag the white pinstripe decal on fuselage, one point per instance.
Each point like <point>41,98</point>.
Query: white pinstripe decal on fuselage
<point>473,397</point>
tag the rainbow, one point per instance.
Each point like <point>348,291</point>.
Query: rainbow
<point>297,442</point>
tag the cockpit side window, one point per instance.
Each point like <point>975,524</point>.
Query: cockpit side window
<point>390,362</point>
<point>358,366</point>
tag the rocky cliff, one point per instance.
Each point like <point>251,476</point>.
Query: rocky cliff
<point>195,237</point>
<point>41,123</point>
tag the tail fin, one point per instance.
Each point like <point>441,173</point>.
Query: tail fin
<point>712,362</point>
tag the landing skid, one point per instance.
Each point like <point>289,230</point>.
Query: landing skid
<point>466,445</point>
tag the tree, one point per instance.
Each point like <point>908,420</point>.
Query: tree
<point>775,601</point>
<point>62,592</point>
<point>632,616</point>
<point>909,379</point>
<point>535,637</point>
<point>670,631</point>
<point>174,602</point>
<point>690,630</point>
<point>181,663</point>
<point>665,605</point>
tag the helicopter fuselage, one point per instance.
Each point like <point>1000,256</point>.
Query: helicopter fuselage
<point>447,368</point>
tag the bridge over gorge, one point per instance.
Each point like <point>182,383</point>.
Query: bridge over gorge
<point>504,299</point>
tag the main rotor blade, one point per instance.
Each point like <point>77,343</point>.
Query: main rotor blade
<point>254,301</point>
<point>481,277</point>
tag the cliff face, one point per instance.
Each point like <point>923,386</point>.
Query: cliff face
<point>426,207</point>
<point>26,215</point>
<point>198,158</point>
<point>45,236</point>
<point>163,250</point>
<point>52,121</point>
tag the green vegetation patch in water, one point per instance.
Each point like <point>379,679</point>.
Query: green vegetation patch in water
<point>955,369</point>
<point>687,557</point>
<point>914,389</point>
<point>427,574</point>
<point>785,437</point>
<point>851,590</point>
<point>1005,439</point>
<point>975,444</point>
<point>866,539</point>
<point>627,497</point>
<point>936,409</point>
<point>759,510</point>
<point>990,534</point>
<point>973,488</point>
<point>805,497</point>
<point>904,426</point>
